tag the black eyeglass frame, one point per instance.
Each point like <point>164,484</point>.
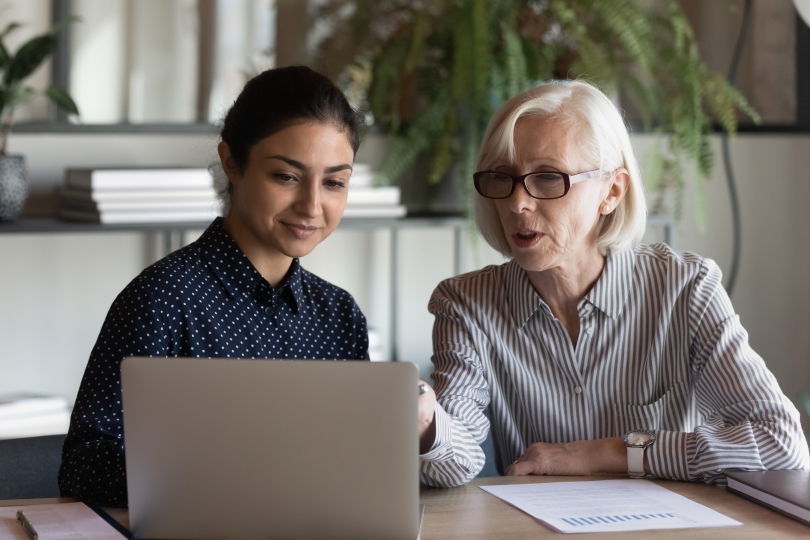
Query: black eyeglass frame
<point>569,179</point>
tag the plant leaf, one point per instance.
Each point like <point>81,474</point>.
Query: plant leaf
<point>58,25</point>
<point>59,96</point>
<point>29,57</point>
<point>383,95</point>
<point>10,27</point>
<point>515,62</point>
<point>474,54</point>
<point>420,134</point>
<point>13,95</point>
<point>4,57</point>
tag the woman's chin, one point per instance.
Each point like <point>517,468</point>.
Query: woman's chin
<point>299,249</point>
<point>534,260</point>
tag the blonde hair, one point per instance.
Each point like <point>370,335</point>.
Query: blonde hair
<point>605,142</point>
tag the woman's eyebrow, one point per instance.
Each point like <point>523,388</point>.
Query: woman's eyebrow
<point>337,168</point>
<point>537,164</point>
<point>544,161</point>
<point>298,165</point>
<point>295,163</point>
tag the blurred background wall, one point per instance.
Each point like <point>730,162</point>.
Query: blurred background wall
<point>55,289</point>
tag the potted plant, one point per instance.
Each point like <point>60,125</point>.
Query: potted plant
<point>432,73</point>
<point>15,69</point>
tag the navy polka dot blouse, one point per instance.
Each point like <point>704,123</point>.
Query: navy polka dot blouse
<point>205,300</point>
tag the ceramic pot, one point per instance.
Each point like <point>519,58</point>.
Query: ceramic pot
<point>13,186</point>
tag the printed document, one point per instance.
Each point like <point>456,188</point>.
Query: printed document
<point>608,505</point>
<point>69,521</point>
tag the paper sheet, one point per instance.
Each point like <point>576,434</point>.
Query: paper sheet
<point>608,505</point>
<point>70,521</point>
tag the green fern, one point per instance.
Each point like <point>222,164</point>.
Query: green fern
<point>407,147</point>
<point>440,69</point>
<point>514,61</point>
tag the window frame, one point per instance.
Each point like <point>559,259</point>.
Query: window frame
<point>60,75</point>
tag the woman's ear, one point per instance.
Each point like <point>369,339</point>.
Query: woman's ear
<point>617,189</point>
<point>228,163</point>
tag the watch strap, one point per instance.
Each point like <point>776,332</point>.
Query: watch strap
<point>635,462</point>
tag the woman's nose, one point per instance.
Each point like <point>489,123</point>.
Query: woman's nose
<point>520,200</point>
<point>308,200</point>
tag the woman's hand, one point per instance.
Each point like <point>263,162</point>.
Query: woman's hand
<point>575,458</point>
<point>427,418</point>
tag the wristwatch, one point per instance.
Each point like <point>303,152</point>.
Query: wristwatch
<point>637,441</point>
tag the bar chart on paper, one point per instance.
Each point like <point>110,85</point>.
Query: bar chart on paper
<point>608,505</point>
<point>585,521</point>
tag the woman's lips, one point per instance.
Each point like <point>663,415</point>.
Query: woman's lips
<point>525,238</point>
<point>301,232</point>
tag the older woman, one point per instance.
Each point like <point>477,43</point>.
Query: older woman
<point>593,353</point>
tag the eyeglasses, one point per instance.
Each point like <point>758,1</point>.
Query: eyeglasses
<point>540,185</point>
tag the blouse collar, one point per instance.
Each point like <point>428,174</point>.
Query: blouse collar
<point>610,292</point>
<point>523,299</point>
<point>237,274</point>
<point>608,295</point>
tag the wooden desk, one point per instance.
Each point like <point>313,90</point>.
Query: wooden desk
<point>470,513</point>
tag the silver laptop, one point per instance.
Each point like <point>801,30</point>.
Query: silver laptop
<point>264,449</point>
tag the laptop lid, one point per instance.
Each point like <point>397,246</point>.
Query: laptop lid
<point>249,449</point>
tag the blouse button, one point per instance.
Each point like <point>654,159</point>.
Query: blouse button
<point>269,310</point>
<point>578,390</point>
<point>590,331</point>
<point>588,308</point>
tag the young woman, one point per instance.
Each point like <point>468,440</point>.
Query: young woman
<point>288,145</point>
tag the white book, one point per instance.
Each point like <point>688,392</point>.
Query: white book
<point>134,179</point>
<point>140,206</point>
<point>373,195</point>
<point>362,176</point>
<point>138,195</point>
<point>38,425</point>
<point>63,521</point>
<point>373,211</point>
<point>178,216</point>
<point>21,405</point>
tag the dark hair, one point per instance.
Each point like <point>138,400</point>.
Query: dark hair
<point>279,98</point>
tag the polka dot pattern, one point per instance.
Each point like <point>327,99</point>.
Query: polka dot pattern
<point>205,300</point>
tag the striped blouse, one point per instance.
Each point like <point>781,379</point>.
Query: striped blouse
<point>660,348</point>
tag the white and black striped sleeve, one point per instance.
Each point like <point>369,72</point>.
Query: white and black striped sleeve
<point>749,423</point>
<point>456,456</point>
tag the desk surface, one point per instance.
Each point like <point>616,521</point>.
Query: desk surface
<point>469,513</point>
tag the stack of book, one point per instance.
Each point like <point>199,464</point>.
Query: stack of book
<point>29,415</point>
<point>367,201</point>
<point>376,353</point>
<point>138,196</point>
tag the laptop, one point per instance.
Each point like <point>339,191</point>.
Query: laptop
<point>265,449</point>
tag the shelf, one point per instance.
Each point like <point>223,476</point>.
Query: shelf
<point>171,236</point>
<point>53,225</point>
